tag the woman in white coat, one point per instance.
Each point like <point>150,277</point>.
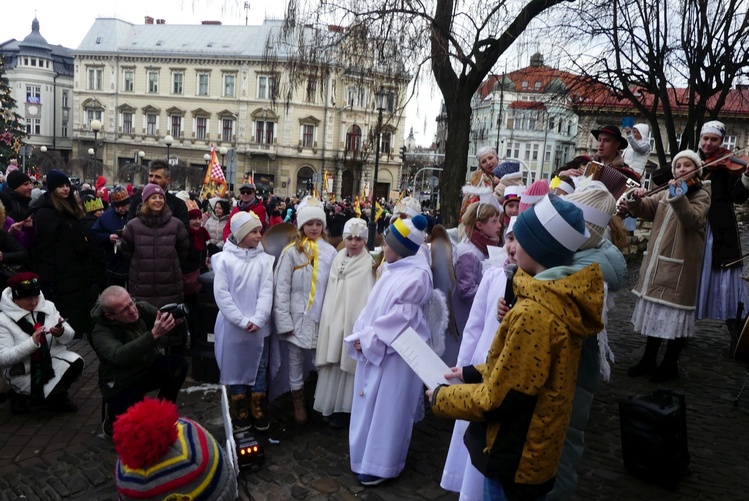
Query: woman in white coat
<point>34,359</point>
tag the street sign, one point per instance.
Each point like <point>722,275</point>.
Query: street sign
<point>173,161</point>
<point>434,181</point>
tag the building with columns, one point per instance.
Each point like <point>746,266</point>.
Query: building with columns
<point>207,85</point>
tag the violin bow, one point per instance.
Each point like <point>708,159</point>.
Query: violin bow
<point>708,164</point>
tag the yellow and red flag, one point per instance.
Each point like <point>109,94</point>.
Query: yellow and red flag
<point>214,181</point>
<point>357,206</point>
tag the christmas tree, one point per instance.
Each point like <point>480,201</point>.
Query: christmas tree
<point>11,130</point>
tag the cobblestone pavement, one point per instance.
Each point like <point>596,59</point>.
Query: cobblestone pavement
<point>65,456</point>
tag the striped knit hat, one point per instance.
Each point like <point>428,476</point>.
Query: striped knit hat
<point>405,236</point>
<point>161,454</point>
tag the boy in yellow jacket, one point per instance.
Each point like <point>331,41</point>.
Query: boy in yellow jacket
<point>519,402</point>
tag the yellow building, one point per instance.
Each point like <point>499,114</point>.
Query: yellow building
<point>206,85</point>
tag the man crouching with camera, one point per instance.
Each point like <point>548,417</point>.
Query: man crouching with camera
<point>126,337</point>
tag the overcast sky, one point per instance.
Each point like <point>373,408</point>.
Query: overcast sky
<point>66,23</point>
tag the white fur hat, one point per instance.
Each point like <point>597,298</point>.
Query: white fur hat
<point>308,210</point>
<point>356,227</point>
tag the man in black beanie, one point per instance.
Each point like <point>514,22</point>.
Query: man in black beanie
<point>16,195</point>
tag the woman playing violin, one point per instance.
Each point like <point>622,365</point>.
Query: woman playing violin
<point>721,288</point>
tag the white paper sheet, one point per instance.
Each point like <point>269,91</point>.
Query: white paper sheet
<point>422,359</point>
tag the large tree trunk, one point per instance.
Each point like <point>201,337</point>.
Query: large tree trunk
<point>456,153</point>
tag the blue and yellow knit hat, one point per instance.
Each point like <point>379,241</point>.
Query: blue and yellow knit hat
<point>405,236</point>
<point>163,456</point>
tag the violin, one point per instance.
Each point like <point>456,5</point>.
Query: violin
<point>730,161</point>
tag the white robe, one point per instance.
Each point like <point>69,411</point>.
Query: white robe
<point>459,474</point>
<point>387,392</point>
<point>349,284</point>
<point>243,288</point>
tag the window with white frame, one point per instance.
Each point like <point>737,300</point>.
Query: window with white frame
<point>151,124</point>
<point>91,115</point>
<point>513,149</point>
<point>128,80</point>
<point>153,82</point>
<point>527,152</point>
<point>357,96</point>
<point>65,99</point>
<point>386,139</point>
<point>95,76</point>
<point>390,101</point>
<point>176,126</point>
<point>308,136</point>
<point>33,94</point>
<point>127,122</point>
<point>178,79</point>
<point>227,129</point>
<point>201,127</point>
<point>33,126</point>
<point>203,80</point>
<point>534,154</point>
<point>264,131</point>
<point>729,142</point>
<point>547,154</point>
<point>64,129</point>
<point>229,84</point>
<point>266,86</point>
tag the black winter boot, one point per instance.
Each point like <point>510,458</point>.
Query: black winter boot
<point>669,368</point>
<point>647,366</point>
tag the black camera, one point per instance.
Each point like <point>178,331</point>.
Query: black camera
<point>178,310</point>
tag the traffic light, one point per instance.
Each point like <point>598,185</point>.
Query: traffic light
<point>403,153</point>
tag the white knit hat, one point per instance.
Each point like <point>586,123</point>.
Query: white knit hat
<point>356,227</point>
<point>691,155</point>
<point>308,210</point>
<point>409,206</point>
<point>242,223</point>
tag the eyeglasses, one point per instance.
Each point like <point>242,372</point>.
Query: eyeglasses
<point>246,192</point>
<point>26,283</point>
<point>125,309</point>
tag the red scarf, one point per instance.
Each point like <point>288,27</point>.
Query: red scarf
<point>199,238</point>
<point>482,241</point>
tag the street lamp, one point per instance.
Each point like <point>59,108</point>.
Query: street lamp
<point>43,149</point>
<point>96,128</point>
<point>141,156</point>
<point>168,140</point>
<point>223,151</point>
<point>92,154</point>
<point>207,158</point>
<point>381,96</point>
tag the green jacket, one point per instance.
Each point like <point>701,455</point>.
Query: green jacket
<point>125,351</point>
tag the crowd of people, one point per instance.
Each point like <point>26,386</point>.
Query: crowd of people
<point>524,327</point>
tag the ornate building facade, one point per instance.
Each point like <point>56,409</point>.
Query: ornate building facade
<point>207,85</point>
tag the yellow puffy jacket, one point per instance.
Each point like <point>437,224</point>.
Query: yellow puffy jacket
<point>520,401</point>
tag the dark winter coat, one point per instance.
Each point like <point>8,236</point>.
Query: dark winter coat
<point>16,206</point>
<point>155,246</point>
<point>727,189</point>
<point>61,253</point>
<point>108,224</point>
<point>60,258</point>
<point>126,351</point>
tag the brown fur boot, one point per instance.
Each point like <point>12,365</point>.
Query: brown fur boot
<point>260,412</point>
<point>300,411</point>
<point>240,412</point>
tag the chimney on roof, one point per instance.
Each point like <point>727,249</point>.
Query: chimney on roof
<point>161,21</point>
<point>537,59</point>
<point>149,20</point>
<point>216,23</point>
